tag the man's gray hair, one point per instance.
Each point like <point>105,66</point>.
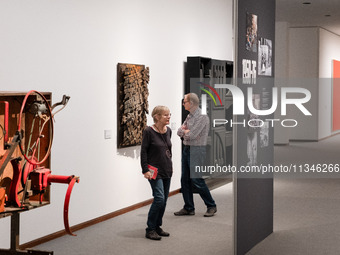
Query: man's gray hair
<point>193,98</point>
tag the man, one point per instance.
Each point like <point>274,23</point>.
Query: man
<point>194,132</point>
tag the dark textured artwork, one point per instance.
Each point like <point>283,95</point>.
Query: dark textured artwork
<point>132,103</point>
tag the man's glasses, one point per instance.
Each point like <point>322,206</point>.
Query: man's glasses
<point>183,101</point>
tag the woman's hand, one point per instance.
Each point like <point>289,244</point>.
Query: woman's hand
<point>147,175</point>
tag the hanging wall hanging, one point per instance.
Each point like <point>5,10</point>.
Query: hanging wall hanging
<point>132,103</point>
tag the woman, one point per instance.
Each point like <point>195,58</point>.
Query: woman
<point>156,153</point>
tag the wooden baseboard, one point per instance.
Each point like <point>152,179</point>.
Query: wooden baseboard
<point>108,216</point>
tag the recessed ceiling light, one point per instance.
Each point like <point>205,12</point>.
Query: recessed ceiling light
<point>306,3</point>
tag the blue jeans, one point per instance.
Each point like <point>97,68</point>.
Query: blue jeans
<point>197,154</point>
<point>160,192</point>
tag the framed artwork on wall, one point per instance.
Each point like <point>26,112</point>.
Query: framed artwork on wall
<point>132,103</point>
<point>251,32</point>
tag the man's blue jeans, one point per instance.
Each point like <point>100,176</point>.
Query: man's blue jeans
<point>192,156</point>
<point>160,192</point>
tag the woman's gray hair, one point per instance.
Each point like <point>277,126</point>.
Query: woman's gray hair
<point>158,110</point>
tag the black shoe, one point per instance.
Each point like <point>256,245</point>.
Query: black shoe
<point>210,212</point>
<point>161,232</point>
<point>184,212</point>
<point>152,234</point>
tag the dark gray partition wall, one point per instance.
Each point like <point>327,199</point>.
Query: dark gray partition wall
<point>255,33</point>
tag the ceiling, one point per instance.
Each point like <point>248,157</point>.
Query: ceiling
<point>314,14</point>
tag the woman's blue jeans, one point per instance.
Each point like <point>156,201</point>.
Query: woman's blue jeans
<point>160,192</point>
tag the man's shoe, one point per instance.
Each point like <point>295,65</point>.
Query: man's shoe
<point>152,234</point>
<point>210,212</point>
<point>161,232</point>
<point>184,212</point>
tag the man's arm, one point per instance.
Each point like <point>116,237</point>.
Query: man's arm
<point>196,130</point>
<point>182,130</point>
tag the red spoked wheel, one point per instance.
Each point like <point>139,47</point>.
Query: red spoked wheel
<point>37,114</point>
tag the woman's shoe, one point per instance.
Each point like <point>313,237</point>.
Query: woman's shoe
<point>152,234</point>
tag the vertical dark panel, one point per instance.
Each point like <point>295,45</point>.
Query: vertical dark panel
<point>254,193</point>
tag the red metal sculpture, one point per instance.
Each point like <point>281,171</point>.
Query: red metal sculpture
<point>35,152</point>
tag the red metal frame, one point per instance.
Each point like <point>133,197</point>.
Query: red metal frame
<point>13,198</point>
<point>42,177</point>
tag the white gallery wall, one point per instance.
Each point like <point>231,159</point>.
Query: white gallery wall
<point>73,47</point>
<point>310,52</point>
<point>281,134</point>
<point>303,73</point>
<point>329,51</point>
